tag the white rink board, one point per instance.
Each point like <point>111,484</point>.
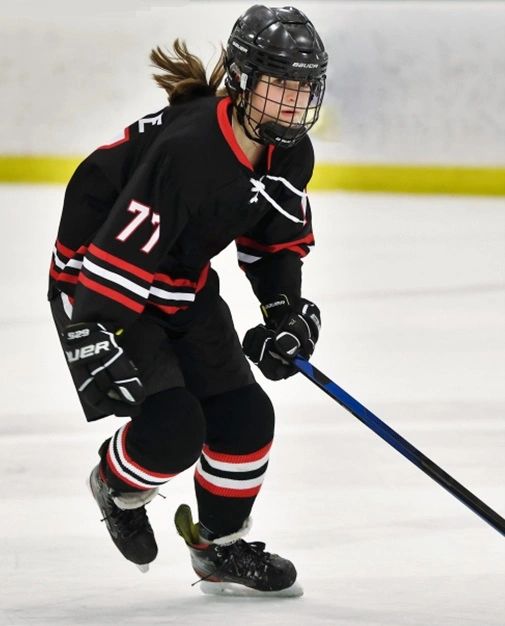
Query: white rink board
<point>409,82</point>
<point>412,295</point>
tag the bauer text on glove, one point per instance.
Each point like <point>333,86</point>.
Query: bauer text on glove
<point>106,379</point>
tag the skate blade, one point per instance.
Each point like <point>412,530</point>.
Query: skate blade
<point>144,568</point>
<point>237,590</point>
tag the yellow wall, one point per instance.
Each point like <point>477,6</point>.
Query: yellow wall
<point>327,176</point>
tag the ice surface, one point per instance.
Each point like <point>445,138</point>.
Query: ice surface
<point>412,291</point>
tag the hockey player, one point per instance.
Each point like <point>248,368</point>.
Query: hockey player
<point>136,303</point>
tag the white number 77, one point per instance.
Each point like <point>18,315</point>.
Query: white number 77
<point>142,213</point>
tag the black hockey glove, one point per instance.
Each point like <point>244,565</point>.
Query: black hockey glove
<point>296,325</point>
<point>259,347</point>
<point>289,330</point>
<point>105,378</point>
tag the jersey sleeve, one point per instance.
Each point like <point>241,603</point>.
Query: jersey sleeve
<point>271,252</point>
<point>120,261</point>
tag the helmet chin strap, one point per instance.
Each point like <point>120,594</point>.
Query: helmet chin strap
<point>277,134</point>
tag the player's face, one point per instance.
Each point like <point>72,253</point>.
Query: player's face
<point>284,101</point>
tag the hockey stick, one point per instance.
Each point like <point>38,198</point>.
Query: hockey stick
<point>390,436</point>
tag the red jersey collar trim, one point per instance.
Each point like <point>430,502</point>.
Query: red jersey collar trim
<point>229,135</point>
<point>270,151</point>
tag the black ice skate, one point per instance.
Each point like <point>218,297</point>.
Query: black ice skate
<point>126,520</point>
<point>230,565</point>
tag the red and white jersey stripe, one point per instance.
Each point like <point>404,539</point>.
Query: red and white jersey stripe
<point>123,282</point>
<point>66,263</point>
<point>249,250</point>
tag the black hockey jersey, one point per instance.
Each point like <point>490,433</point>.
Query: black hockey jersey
<point>144,215</point>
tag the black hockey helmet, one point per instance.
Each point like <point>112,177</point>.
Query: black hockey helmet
<point>283,44</point>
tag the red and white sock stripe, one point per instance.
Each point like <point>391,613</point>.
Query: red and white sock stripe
<point>237,462</point>
<point>128,470</point>
<point>232,475</point>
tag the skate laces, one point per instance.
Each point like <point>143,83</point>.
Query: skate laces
<point>129,522</point>
<point>247,559</point>
<point>241,559</point>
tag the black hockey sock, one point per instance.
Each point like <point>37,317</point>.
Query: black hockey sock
<point>163,441</point>
<point>232,466</point>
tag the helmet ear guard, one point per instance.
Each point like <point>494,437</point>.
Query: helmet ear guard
<point>244,80</point>
<point>239,78</point>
